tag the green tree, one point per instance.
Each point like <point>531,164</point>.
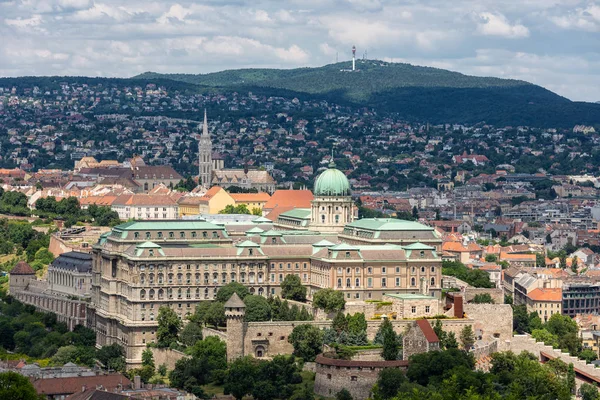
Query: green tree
<point>589,392</point>
<point>14,386</point>
<point>292,289</point>
<point>307,341</point>
<point>343,394</point>
<point>357,323</point>
<point>225,292</point>
<point>329,300</point>
<point>491,258</point>
<point>112,357</point>
<point>542,335</point>
<point>169,325</point>
<point>588,355</point>
<point>390,341</point>
<point>467,337</point>
<point>257,308</point>
<point>340,323</point>
<point>162,369</point>
<point>215,315</point>
<point>65,355</point>
<point>190,334</point>
<point>540,260</point>
<point>440,333</point>
<point>240,377</point>
<point>571,378</point>
<point>148,358</point>
<point>483,298</point>
<point>389,381</point>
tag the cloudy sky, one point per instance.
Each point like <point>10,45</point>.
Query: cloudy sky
<point>554,43</point>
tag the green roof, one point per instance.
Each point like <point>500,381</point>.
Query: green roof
<point>204,246</point>
<point>256,229</point>
<point>418,246</point>
<point>247,243</point>
<point>261,220</point>
<point>299,213</point>
<point>343,247</point>
<point>323,243</point>
<point>388,224</point>
<point>332,182</point>
<point>148,245</point>
<point>272,232</point>
<point>410,296</point>
<point>166,225</point>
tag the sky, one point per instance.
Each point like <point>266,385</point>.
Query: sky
<point>553,43</point>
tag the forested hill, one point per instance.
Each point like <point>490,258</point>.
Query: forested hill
<point>416,93</point>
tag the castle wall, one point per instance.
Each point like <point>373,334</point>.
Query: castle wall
<point>166,356</point>
<point>272,337</point>
<point>358,377</point>
<point>494,320</point>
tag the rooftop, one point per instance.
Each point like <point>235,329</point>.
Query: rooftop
<point>388,224</point>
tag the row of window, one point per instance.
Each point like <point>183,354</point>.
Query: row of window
<point>171,235</point>
<point>384,270</point>
<point>384,282</point>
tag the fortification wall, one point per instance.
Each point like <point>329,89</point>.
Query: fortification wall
<point>206,332</point>
<point>497,294</point>
<point>494,320</point>
<point>271,338</point>
<point>358,377</point>
<point>166,356</point>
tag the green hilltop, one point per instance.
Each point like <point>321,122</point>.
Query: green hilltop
<point>415,93</point>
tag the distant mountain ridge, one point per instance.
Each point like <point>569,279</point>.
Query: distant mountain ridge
<point>415,93</point>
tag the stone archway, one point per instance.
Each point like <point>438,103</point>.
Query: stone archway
<point>259,351</point>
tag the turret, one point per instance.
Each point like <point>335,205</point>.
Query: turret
<point>235,312</point>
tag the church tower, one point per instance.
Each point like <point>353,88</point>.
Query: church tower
<point>205,156</point>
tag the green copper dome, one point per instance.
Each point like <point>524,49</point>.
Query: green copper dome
<point>332,182</point>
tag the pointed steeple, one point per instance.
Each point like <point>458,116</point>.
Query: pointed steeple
<point>205,125</point>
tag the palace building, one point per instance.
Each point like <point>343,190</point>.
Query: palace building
<point>142,265</point>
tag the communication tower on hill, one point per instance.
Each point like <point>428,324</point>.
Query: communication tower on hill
<point>353,58</point>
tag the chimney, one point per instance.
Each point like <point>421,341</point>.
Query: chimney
<point>83,388</point>
<point>458,307</point>
<point>137,382</point>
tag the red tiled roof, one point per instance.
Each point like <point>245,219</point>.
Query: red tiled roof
<point>22,268</point>
<point>250,197</point>
<point>58,386</point>
<point>427,330</point>
<point>290,198</point>
<point>547,294</point>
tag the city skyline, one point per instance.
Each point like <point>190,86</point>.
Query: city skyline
<point>550,44</point>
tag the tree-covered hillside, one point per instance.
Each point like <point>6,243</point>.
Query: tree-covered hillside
<point>415,93</point>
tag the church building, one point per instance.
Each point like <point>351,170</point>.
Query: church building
<point>213,173</point>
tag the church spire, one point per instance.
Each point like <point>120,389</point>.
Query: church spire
<point>205,155</point>
<point>205,125</point>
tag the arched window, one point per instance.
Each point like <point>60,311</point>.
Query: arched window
<point>142,294</point>
<point>142,278</point>
<point>151,294</point>
<point>432,281</point>
<point>151,279</point>
<point>188,278</point>
<point>160,278</point>
<point>178,293</point>
<point>339,282</point>
<point>233,277</point>
<point>197,293</point>
<point>347,282</point>
<point>413,282</point>
<point>161,294</point>
<point>357,282</point>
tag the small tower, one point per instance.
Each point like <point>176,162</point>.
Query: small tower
<point>353,58</point>
<point>20,276</point>
<point>205,155</point>
<point>235,311</point>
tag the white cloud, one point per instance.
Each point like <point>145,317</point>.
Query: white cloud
<point>585,19</point>
<point>176,12</point>
<point>117,38</point>
<point>35,20</point>
<point>496,24</point>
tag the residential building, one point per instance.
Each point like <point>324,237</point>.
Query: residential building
<point>146,206</point>
<point>545,301</point>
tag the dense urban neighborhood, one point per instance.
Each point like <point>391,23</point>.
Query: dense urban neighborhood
<point>164,243</point>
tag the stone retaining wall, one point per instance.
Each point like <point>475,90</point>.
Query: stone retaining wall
<point>166,356</point>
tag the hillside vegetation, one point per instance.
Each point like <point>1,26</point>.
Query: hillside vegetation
<point>415,93</point>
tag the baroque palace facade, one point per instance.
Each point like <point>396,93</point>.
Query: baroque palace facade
<point>142,265</point>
